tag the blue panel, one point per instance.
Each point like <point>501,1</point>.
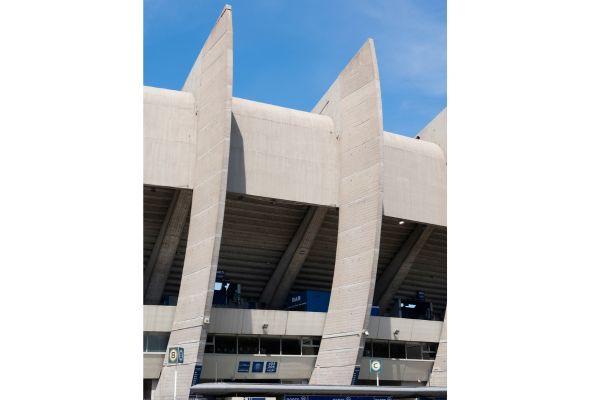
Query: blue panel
<point>271,367</point>
<point>258,366</point>
<point>300,397</point>
<point>244,366</point>
<point>197,373</point>
<point>309,300</point>
<point>355,375</point>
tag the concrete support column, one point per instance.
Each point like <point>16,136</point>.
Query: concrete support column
<point>354,104</point>
<point>166,245</point>
<point>278,287</point>
<point>439,373</point>
<point>394,274</point>
<point>210,81</point>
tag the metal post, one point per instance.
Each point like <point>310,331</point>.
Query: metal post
<point>377,378</point>
<point>175,383</point>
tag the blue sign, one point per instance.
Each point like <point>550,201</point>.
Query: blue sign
<point>355,375</point>
<point>258,366</point>
<point>244,366</point>
<point>271,367</point>
<point>300,397</point>
<point>197,373</point>
<point>180,356</point>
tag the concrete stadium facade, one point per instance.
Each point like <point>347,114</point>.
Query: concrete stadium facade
<point>282,201</point>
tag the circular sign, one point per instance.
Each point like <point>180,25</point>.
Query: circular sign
<point>375,365</point>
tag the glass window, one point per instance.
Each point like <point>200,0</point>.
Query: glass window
<point>269,345</point>
<point>413,351</point>
<point>368,349</point>
<point>225,344</point>
<point>248,345</point>
<point>210,344</point>
<point>380,349</point>
<point>429,351</point>
<point>309,347</point>
<point>156,342</point>
<point>290,346</point>
<point>397,350</point>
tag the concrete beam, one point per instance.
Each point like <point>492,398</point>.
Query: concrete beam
<point>439,372</point>
<point>210,82</point>
<point>166,245</point>
<point>278,287</point>
<point>354,104</point>
<point>394,274</point>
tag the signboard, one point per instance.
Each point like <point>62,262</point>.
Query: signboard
<point>355,375</point>
<point>301,397</point>
<point>271,367</point>
<point>375,366</point>
<point>258,366</point>
<point>175,355</point>
<point>197,373</point>
<point>244,366</point>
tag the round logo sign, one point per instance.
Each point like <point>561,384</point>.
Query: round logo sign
<point>375,365</point>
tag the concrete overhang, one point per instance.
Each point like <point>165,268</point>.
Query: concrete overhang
<point>414,180</point>
<point>256,388</point>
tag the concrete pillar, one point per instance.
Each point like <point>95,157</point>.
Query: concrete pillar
<point>210,81</point>
<point>166,245</point>
<point>396,271</point>
<point>278,287</point>
<point>439,372</point>
<point>354,104</point>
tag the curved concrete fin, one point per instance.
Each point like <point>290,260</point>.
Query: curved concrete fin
<point>210,81</point>
<point>354,104</point>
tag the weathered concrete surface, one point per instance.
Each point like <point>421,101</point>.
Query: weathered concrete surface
<point>169,137</point>
<point>210,81</point>
<point>436,132</point>
<point>439,373</point>
<point>282,153</point>
<point>354,104</point>
<point>414,180</point>
<point>165,247</point>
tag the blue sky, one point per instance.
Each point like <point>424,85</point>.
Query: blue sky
<point>289,52</point>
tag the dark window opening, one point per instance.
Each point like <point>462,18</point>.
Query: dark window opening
<point>290,346</point>
<point>269,345</point>
<point>248,345</point>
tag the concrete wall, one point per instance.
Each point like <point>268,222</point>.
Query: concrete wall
<point>158,318</point>
<point>250,322</point>
<point>153,363</point>
<point>397,370</point>
<point>293,323</point>
<point>210,81</point>
<point>354,104</point>
<point>436,132</point>
<point>410,330</point>
<point>282,153</point>
<point>169,137</point>
<point>439,374</point>
<point>414,180</point>
<point>224,366</point>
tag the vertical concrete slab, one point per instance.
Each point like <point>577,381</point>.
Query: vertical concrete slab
<point>354,104</point>
<point>436,131</point>
<point>439,373</point>
<point>210,81</point>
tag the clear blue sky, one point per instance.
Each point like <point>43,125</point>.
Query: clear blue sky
<point>289,52</point>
